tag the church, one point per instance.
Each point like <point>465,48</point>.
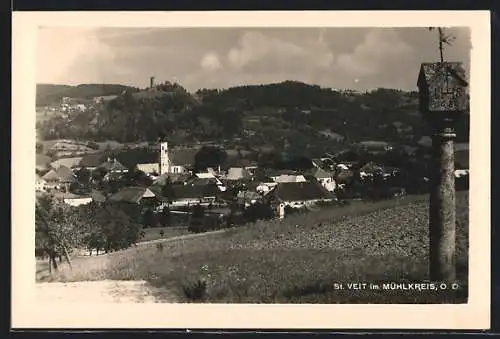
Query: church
<point>176,160</point>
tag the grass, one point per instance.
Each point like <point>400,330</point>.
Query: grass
<point>169,232</point>
<point>296,260</point>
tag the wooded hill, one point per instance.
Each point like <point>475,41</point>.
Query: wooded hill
<point>48,94</point>
<point>287,116</point>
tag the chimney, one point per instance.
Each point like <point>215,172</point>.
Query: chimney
<point>151,82</point>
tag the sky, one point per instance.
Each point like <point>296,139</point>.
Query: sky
<point>336,57</point>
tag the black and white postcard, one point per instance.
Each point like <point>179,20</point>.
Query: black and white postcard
<point>251,170</point>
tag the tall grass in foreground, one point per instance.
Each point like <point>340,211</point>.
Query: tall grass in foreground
<point>298,259</point>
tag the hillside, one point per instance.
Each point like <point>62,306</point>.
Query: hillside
<point>48,94</point>
<point>298,259</point>
<point>292,117</point>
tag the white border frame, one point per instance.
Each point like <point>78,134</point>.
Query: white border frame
<point>27,313</point>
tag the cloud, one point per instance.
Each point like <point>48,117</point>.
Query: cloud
<point>258,51</point>
<point>75,53</point>
<point>210,62</point>
<point>380,48</point>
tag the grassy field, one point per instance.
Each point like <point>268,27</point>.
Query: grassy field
<point>169,232</point>
<point>296,260</point>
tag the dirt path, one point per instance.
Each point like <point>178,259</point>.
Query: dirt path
<point>105,291</point>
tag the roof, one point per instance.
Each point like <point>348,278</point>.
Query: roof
<point>174,178</point>
<point>38,178</point>
<point>97,196</point>
<point>299,191</point>
<point>195,191</point>
<point>236,173</point>
<point>92,160</point>
<point>113,165</point>
<point>430,70</point>
<point>67,162</point>
<point>248,195</point>
<point>183,156</point>
<point>205,175</point>
<point>132,194</point>
<point>370,167</point>
<point>319,173</point>
<point>62,174</point>
<point>68,195</point>
<point>290,178</point>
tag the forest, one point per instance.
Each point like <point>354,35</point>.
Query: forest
<point>289,115</point>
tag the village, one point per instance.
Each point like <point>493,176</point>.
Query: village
<point>159,176</point>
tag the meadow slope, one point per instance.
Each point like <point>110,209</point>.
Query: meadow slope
<point>298,259</point>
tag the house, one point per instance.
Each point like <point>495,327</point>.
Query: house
<point>74,199</point>
<point>326,179</point>
<point>91,161</point>
<point>265,187</point>
<point>134,195</point>
<point>188,195</point>
<point>42,162</point>
<point>247,198</point>
<point>289,178</point>
<point>113,165</point>
<point>40,184</point>
<point>298,194</point>
<point>72,162</point>
<point>175,178</point>
<point>176,160</point>
<point>62,177</point>
<point>149,168</point>
<point>237,173</point>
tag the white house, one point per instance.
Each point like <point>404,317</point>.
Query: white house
<point>326,179</point>
<point>149,168</point>
<point>289,178</point>
<point>265,187</point>
<point>40,184</point>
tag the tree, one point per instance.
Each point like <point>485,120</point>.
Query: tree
<point>39,148</point>
<point>149,218</point>
<point>444,39</point>
<point>167,190</point>
<point>59,229</point>
<point>209,156</point>
<point>165,216</point>
<point>83,176</point>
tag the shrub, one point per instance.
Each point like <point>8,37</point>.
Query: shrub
<point>195,291</point>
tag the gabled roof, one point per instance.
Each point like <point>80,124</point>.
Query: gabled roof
<point>299,191</point>
<point>183,156</point>
<point>38,178</point>
<point>194,191</point>
<point>132,194</point>
<point>67,162</point>
<point>113,165</point>
<point>319,173</point>
<point>174,178</point>
<point>92,160</point>
<point>65,174</point>
<point>62,174</point>
<point>430,70</point>
<point>248,195</point>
